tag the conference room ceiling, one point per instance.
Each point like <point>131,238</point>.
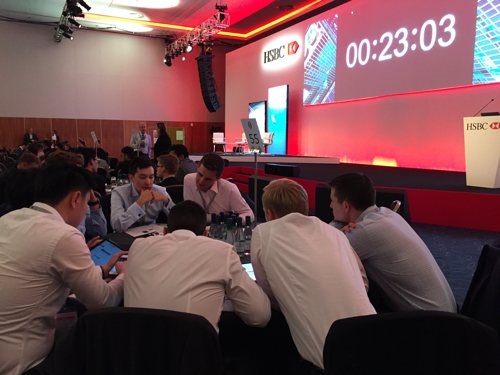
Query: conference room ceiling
<point>246,17</point>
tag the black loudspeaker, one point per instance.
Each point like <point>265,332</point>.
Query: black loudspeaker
<point>322,209</point>
<point>207,82</point>
<point>262,182</point>
<point>282,170</point>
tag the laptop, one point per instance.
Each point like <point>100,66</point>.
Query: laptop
<point>146,230</point>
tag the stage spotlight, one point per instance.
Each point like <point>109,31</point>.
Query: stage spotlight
<point>75,10</point>
<point>189,47</point>
<point>74,23</point>
<point>65,28</point>
<point>66,35</point>
<point>84,4</point>
<point>183,58</point>
<point>167,60</point>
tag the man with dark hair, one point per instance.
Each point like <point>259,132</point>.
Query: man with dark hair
<point>213,193</point>
<point>306,267</point>
<point>186,165</point>
<point>127,154</point>
<point>30,137</point>
<point>394,256</point>
<point>187,271</point>
<point>42,258</point>
<point>141,201</point>
<point>95,223</point>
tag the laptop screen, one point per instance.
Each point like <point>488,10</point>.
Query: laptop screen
<point>249,269</point>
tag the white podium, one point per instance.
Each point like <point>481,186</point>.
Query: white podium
<point>482,151</point>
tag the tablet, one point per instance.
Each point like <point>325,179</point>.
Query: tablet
<point>248,267</point>
<point>102,253</point>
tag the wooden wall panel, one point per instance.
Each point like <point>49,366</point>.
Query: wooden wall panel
<point>84,127</point>
<point>66,129</point>
<point>11,132</point>
<point>112,136</point>
<point>41,126</point>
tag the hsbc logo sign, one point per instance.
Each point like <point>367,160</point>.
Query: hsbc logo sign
<point>482,126</point>
<point>495,125</point>
<point>281,52</point>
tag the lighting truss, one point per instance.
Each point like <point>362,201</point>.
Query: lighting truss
<point>199,34</point>
<point>70,11</point>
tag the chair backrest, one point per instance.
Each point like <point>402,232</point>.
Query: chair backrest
<point>130,341</point>
<point>218,138</point>
<point>267,138</point>
<point>482,301</point>
<point>417,342</point>
<point>176,192</point>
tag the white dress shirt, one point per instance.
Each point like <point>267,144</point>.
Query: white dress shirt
<point>310,270</point>
<point>41,259</point>
<point>184,272</point>
<point>126,213</point>
<point>135,142</point>
<point>223,196</point>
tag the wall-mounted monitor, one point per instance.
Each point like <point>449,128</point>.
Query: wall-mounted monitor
<point>364,50</point>
<point>277,114</point>
<point>258,111</point>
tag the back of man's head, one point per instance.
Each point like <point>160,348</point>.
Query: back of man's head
<point>139,162</point>
<point>355,188</point>
<point>187,215</point>
<point>180,150</point>
<point>89,154</point>
<point>169,162</point>
<point>285,196</point>
<point>28,160</point>
<point>213,162</point>
<point>60,157</point>
<point>54,183</point>
<point>128,152</point>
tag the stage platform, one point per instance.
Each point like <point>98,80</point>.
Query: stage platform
<point>434,197</point>
<point>246,158</point>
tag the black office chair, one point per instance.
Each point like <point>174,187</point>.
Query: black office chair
<point>176,192</point>
<point>137,341</point>
<point>482,301</point>
<point>418,342</point>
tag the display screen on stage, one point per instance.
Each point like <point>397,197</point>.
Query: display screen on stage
<point>366,49</point>
<point>258,111</point>
<point>278,118</point>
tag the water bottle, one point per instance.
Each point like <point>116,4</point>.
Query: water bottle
<point>247,234</point>
<point>230,231</point>
<point>239,238</point>
<point>214,227</point>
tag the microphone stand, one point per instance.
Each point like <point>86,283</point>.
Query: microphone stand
<point>483,107</point>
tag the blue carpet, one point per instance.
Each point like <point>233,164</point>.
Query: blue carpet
<point>457,251</point>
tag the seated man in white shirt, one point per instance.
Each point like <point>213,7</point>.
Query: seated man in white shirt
<point>213,193</point>
<point>189,272</point>
<point>141,201</point>
<point>42,257</point>
<point>394,256</point>
<point>307,268</point>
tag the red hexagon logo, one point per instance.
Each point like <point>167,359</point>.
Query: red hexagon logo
<point>495,125</point>
<point>293,47</point>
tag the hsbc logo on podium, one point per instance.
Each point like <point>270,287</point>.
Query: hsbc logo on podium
<point>281,52</point>
<point>477,126</point>
<point>495,125</point>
